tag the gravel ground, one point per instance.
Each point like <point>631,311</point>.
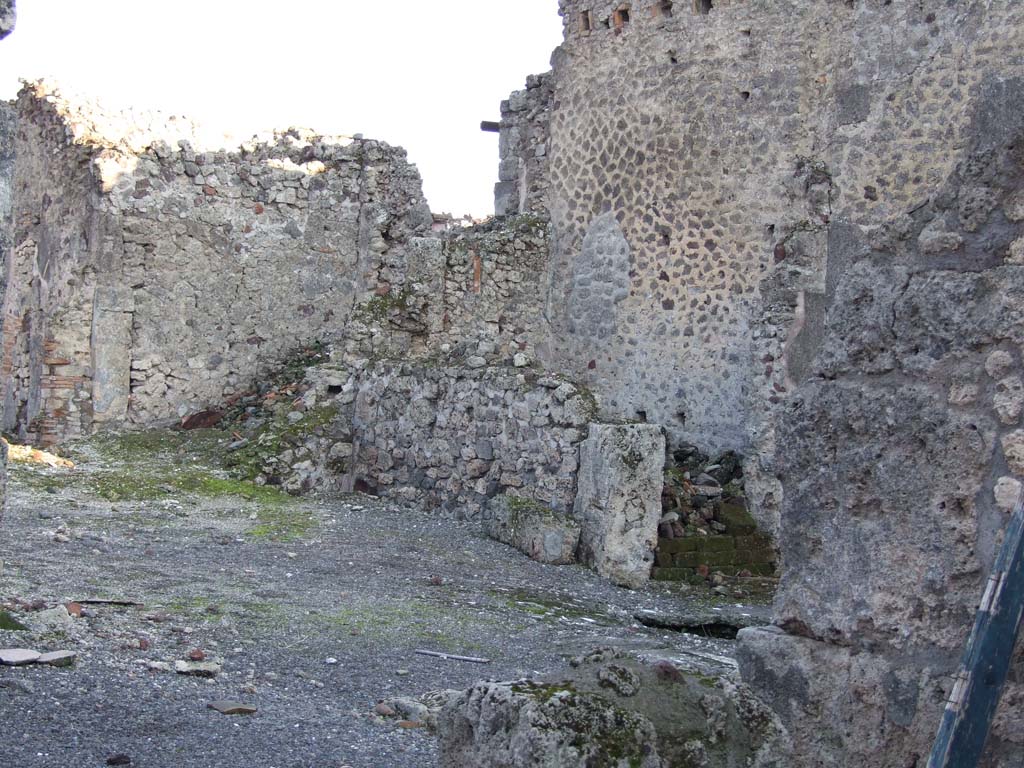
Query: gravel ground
<point>312,607</point>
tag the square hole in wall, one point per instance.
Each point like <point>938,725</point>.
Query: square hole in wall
<point>621,18</point>
<point>664,8</point>
<point>703,6</point>
<point>586,21</point>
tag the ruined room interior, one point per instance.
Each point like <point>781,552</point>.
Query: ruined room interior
<point>704,451</point>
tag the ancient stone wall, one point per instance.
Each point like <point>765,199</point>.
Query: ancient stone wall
<point>523,143</point>
<point>811,212</point>
<point>666,127</point>
<point>153,278</point>
<point>446,436</point>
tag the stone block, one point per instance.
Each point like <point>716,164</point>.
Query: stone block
<point>843,707</point>
<point>614,710</point>
<point>618,500</point>
<point>533,528</point>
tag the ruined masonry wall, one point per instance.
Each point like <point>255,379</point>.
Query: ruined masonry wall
<point>181,274</point>
<point>446,437</point>
<point>522,149</point>
<point>7,17</point>
<point>666,132</point>
<point>794,229</point>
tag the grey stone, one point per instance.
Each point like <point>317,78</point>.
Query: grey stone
<point>664,713</point>
<point>533,528</point>
<point>18,657</point>
<point>7,17</point>
<point>58,658</point>
<point>808,684</point>
<point>52,620</point>
<point>531,725</point>
<point>197,668</point>
<point>618,501</point>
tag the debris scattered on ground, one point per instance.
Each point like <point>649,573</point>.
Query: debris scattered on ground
<point>453,657</point>
<point>26,454</point>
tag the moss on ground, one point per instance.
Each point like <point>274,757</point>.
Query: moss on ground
<point>10,624</point>
<point>281,523</point>
<point>149,466</point>
<point>438,626</point>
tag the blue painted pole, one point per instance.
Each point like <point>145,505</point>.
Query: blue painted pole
<point>986,661</point>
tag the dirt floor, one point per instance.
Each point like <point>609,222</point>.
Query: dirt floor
<point>311,609</point>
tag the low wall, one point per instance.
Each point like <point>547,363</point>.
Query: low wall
<point>446,437</point>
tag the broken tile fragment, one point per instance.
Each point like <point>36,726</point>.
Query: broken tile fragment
<point>231,707</point>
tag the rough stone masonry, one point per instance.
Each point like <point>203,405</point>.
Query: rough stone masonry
<point>150,278</point>
<point>795,229</point>
<point>792,229</point>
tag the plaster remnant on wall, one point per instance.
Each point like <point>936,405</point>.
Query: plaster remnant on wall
<point>600,280</point>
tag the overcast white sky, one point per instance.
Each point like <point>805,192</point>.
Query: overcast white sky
<point>418,74</point>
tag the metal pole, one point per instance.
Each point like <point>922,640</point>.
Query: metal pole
<point>986,661</point>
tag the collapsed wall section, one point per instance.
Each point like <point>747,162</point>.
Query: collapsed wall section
<point>153,278</point>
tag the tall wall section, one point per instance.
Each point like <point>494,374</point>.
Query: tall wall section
<point>794,229</point>
<point>7,128</point>
<point>151,278</point>
<point>678,148</point>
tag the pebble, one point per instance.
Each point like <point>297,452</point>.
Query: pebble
<point>197,668</point>
<point>18,657</point>
<point>119,760</point>
<point>331,661</point>
<point>384,710</point>
<point>402,672</point>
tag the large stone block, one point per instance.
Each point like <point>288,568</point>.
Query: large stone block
<point>612,709</point>
<point>843,707</point>
<point>618,500</point>
<point>532,725</point>
<point>533,528</point>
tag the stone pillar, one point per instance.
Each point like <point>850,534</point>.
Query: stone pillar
<point>899,456</point>
<point>618,501</point>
